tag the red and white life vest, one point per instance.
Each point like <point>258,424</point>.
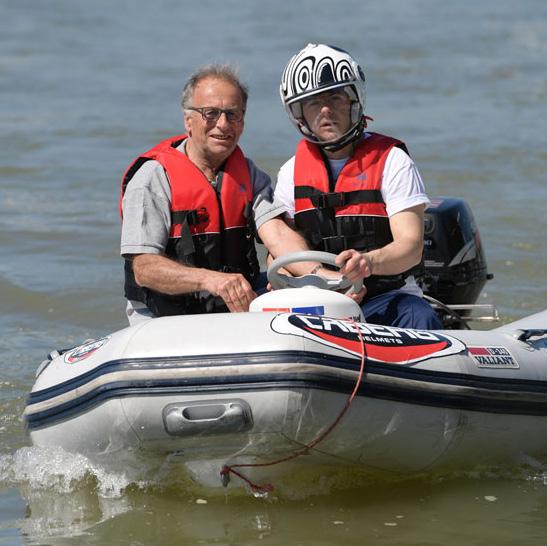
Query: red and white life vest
<point>210,228</point>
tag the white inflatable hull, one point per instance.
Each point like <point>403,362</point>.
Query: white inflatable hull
<point>255,387</point>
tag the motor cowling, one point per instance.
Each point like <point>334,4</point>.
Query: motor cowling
<point>454,260</point>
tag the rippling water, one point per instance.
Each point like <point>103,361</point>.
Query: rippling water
<point>86,86</point>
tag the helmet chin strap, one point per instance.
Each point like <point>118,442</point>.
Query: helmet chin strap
<point>344,140</point>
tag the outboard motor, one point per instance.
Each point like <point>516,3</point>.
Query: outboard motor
<point>455,266</point>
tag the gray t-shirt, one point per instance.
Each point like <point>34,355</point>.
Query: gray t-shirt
<point>146,207</point>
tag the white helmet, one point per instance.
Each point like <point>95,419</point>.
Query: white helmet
<point>318,68</point>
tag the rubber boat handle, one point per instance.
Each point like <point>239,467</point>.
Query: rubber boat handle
<point>207,417</point>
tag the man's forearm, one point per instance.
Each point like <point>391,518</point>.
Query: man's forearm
<point>164,275</point>
<point>407,247</point>
<point>169,277</point>
<point>280,239</point>
<point>395,258</point>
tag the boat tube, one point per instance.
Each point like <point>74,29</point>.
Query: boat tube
<point>256,388</point>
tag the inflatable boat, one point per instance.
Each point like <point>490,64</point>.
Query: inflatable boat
<point>300,374</point>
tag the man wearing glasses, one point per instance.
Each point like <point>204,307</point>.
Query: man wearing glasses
<point>191,209</point>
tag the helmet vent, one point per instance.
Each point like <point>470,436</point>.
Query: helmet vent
<point>326,75</point>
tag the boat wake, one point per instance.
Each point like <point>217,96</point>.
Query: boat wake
<point>55,470</point>
<point>39,472</point>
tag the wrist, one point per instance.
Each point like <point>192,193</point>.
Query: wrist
<point>205,280</point>
<point>368,260</point>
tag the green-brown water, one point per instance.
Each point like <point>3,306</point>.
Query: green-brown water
<point>87,86</point>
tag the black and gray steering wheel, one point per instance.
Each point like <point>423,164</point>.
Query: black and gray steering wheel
<point>279,280</point>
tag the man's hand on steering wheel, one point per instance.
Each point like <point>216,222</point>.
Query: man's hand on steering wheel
<point>322,278</point>
<point>354,265</point>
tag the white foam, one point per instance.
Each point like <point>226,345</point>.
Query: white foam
<point>54,469</point>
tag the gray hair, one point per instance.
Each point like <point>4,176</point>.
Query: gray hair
<point>219,71</point>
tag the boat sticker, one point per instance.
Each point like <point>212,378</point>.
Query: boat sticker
<point>84,351</point>
<point>382,343</point>
<point>310,310</point>
<point>492,357</point>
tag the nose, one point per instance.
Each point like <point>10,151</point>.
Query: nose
<point>222,121</point>
<point>326,107</point>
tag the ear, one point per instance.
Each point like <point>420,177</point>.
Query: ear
<point>187,117</point>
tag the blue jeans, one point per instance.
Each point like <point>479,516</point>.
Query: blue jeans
<point>259,286</point>
<point>396,308</point>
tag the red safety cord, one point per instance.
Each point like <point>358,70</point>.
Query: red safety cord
<point>265,488</point>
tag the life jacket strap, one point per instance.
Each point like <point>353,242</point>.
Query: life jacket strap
<point>322,200</point>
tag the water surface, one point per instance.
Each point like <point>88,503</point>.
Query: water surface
<point>86,86</point>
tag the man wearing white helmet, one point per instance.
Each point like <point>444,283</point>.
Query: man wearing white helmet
<point>352,192</point>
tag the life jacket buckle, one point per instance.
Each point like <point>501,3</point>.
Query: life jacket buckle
<point>328,200</point>
<point>198,216</point>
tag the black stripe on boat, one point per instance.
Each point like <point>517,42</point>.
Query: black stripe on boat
<point>382,381</point>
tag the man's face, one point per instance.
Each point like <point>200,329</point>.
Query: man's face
<point>214,140</point>
<point>328,114</point>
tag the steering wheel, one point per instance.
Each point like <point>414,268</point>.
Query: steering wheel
<point>279,280</point>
